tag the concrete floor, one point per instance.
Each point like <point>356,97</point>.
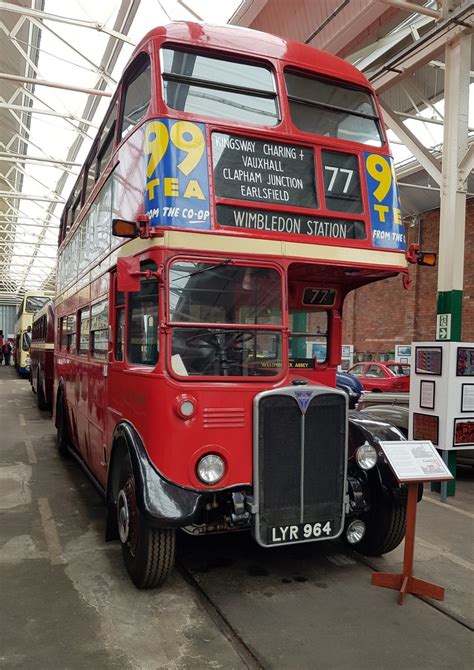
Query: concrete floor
<point>66,602</point>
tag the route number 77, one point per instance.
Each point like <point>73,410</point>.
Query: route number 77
<point>335,171</point>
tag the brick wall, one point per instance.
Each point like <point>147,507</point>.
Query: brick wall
<point>381,315</point>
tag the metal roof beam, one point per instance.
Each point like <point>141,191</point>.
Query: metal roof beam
<point>53,84</point>
<point>44,16</point>
<point>6,155</point>
<point>46,112</point>
<point>459,22</point>
<point>125,16</point>
<point>439,64</point>
<point>17,195</point>
<point>98,70</point>
<point>412,8</point>
<point>426,160</point>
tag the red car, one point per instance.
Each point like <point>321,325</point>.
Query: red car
<point>377,376</point>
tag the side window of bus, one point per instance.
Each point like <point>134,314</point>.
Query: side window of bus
<point>99,329</point>
<point>91,174</point>
<point>84,323</point>
<point>76,198</point>
<point>137,95</point>
<point>106,142</point>
<point>119,324</point>
<point>68,333</point>
<point>142,339</point>
<point>26,340</point>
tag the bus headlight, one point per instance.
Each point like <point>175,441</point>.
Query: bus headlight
<point>366,456</point>
<point>210,469</point>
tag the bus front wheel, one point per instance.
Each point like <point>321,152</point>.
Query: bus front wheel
<point>148,552</point>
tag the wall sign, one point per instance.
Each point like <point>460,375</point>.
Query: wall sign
<point>464,432</point>
<point>443,326</point>
<point>465,362</point>
<point>384,203</point>
<point>428,360</point>
<point>467,398</point>
<point>246,168</point>
<point>426,427</point>
<point>427,394</point>
<point>177,181</point>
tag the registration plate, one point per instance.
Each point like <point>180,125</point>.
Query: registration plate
<point>300,532</point>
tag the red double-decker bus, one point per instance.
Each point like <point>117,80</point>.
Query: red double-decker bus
<point>42,356</point>
<point>240,186</point>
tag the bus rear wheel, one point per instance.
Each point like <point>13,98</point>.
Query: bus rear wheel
<point>62,439</point>
<point>148,553</point>
<point>385,529</point>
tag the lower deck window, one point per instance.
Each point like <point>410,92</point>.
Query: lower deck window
<point>99,330</point>
<point>142,339</point>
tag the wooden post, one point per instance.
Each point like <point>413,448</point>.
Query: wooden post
<point>405,582</point>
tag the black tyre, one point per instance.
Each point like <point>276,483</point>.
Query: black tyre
<point>62,438</point>
<point>148,553</point>
<point>385,529</point>
<point>42,404</point>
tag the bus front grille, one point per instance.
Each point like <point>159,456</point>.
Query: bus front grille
<point>299,464</point>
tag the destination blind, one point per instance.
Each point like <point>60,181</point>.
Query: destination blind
<point>261,171</point>
<point>245,218</point>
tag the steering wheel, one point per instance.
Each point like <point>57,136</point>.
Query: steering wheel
<point>208,336</point>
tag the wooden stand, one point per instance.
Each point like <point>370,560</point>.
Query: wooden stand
<point>405,582</point>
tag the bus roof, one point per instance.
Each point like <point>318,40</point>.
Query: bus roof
<point>236,39</point>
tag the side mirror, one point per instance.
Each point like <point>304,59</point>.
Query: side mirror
<point>128,274</point>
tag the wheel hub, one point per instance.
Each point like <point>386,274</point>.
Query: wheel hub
<point>123,516</point>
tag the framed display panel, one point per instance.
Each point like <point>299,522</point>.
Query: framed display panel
<point>427,394</point>
<point>426,427</point>
<point>463,432</point>
<point>403,350</point>
<point>465,362</point>
<point>428,361</point>
<point>467,398</point>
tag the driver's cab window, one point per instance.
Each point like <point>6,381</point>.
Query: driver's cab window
<point>142,339</point>
<point>308,335</point>
<point>234,314</point>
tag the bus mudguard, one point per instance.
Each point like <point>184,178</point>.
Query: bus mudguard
<point>380,479</point>
<point>163,504</point>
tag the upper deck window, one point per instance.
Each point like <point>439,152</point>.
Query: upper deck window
<point>325,108</point>
<point>211,86</point>
<point>137,96</point>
